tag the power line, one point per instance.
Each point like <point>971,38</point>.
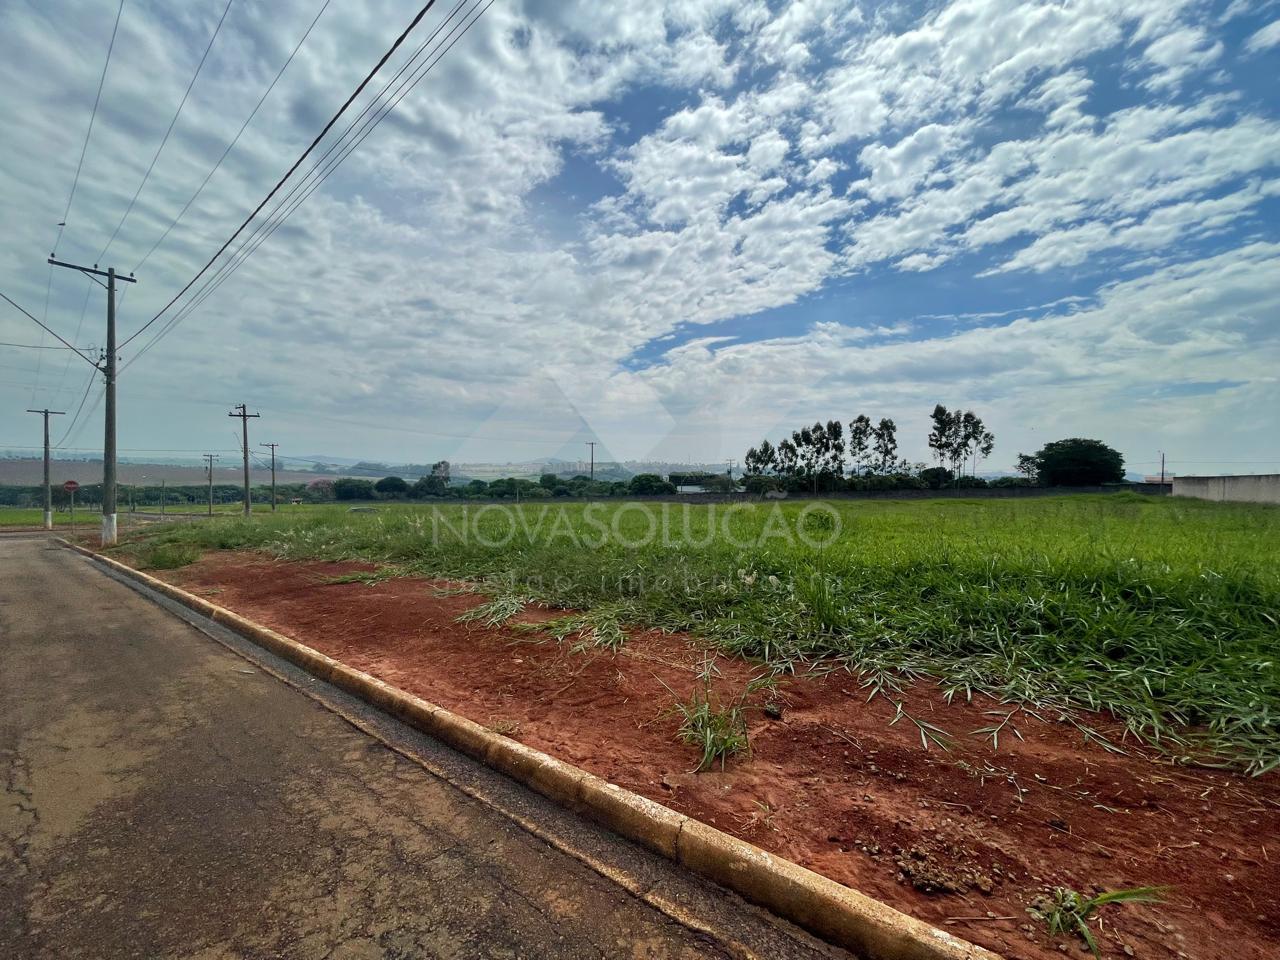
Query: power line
<point>146,176</point>
<point>45,327</point>
<point>80,406</point>
<point>306,153</point>
<point>48,289</point>
<point>268,225</point>
<point>265,229</point>
<point>15,446</point>
<point>84,308</point>
<point>85,147</point>
<point>236,139</point>
<point>66,213</point>
<point>32,346</point>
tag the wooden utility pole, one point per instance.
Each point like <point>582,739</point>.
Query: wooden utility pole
<point>273,472</point>
<point>48,493</point>
<point>592,445</point>
<point>108,369</point>
<point>208,466</point>
<point>245,416</point>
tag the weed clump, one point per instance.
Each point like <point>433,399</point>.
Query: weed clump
<point>168,556</point>
<point>716,727</point>
<point>1066,912</point>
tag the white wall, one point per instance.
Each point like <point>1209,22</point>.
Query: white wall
<point>1260,488</point>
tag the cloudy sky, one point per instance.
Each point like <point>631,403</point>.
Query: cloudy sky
<point>674,227</point>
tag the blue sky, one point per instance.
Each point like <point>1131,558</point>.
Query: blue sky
<point>674,227</point>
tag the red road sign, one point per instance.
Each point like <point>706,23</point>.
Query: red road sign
<point>71,486</point>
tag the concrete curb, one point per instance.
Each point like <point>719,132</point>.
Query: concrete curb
<point>831,910</point>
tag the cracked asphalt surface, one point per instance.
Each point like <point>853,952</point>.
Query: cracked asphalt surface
<point>164,796</point>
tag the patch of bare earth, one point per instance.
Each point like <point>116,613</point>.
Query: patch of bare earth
<point>963,838</point>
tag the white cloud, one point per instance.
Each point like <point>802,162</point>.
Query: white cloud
<point>1179,53</point>
<point>897,170</point>
<point>1207,321</point>
<point>1264,39</point>
<point>492,258</point>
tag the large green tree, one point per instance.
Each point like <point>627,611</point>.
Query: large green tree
<point>884,444</point>
<point>1076,462</point>
<point>860,434</point>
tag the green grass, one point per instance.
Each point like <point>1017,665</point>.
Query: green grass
<point>34,517</point>
<point>167,556</point>
<point>1161,611</point>
<point>24,517</point>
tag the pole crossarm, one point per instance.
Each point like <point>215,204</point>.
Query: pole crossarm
<point>93,270</point>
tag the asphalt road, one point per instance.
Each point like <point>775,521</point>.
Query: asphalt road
<point>164,796</point>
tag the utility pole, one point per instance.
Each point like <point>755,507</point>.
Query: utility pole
<point>108,369</point>
<point>48,493</point>
<point>592,445</point>
<point>245,416</point>
<point>163,496</point>
<point>273,472</point>
<point>208,466</point>
<point>1161,471</point>
<point>732,463</point>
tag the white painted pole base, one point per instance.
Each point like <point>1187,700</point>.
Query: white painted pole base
<point>48,519</point>
<point>108,529</point>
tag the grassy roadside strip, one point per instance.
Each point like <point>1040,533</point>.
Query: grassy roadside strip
<point>1162,613</point>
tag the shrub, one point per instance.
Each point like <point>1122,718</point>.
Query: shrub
<point>350,488</point>
<point>936,477</point>
<point>650,483</point>
<point>391,486</point>
<point>758,484</point>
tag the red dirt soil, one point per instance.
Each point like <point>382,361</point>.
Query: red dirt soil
<point>963,838</point>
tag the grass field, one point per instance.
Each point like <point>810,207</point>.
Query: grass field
<point>23,517</point>
<point>1163,612</point>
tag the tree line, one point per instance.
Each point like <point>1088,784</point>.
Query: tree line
<point>436,485</point>
<point>825,457</point>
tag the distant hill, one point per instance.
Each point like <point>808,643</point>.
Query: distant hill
<point>29,472</point>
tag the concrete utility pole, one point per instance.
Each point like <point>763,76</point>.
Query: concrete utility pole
<point>48,493</point>
<point>1161,467</point>
<point>208,466</point>
<point>108,369</point>
<point>273,472</point>
<point>245,416</point>
<point>592,445</point>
